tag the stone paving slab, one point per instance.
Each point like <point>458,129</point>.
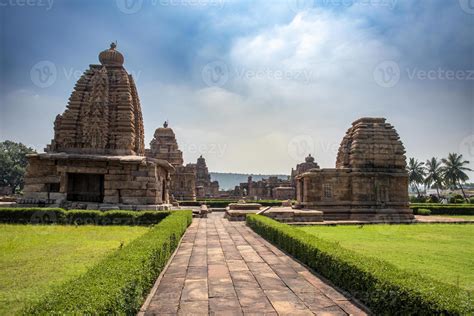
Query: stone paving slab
<point>224,268</point>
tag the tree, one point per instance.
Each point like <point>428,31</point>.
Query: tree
<point>13,164</point>
<point>434,174</point>
<point>453,171</point>
<point>416,173</point>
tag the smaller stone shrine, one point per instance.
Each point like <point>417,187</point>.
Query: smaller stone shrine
<point>183,180</point>
<point>205,188</point>
<point>370,181</point>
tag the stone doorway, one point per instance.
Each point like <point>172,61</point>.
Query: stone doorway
<point>83,187</point>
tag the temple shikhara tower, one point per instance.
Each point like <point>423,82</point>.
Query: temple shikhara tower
<point>370,181</point>
<point>98,153</point>
<point>204,186</point>
<point>183,180</point>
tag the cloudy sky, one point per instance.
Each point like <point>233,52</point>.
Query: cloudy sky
<point>253,86</point>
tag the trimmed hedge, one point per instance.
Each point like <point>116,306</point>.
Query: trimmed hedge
<point>118,284</point>
<point>423,211</point>
<point>444,209</point>
<point>381,286</point>
<point>79,217</point>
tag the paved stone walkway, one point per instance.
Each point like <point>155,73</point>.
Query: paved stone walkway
<point>224,268</point>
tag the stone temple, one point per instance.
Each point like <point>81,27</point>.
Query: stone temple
<point>98,153</point>
<point>183,180</point>
<point>370,181</point>
<point>205,188</point>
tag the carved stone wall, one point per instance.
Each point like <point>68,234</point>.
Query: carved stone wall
<point>103,115</point>
<point>165,146</point>
<point>98,153</point>
<point>369,182</point>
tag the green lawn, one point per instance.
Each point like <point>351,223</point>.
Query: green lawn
<point>33,258</point>
<point>441,251</point>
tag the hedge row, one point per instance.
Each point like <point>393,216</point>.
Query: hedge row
<point>78,217</point>
<point>444,209</point>
<point>118,284</point>
<point>225,203</point>
<point>381,286</point>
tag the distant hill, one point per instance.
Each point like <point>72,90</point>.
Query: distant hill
<point>230,180</point>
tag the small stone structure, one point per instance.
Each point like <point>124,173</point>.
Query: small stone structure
<point>205,188</point>
<point>271,188</point>
<point>370,181</point>
<point>183,180</point>
<point>97,155</point>
<point>303,167</point>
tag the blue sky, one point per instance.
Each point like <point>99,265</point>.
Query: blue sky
<point>252,85</point>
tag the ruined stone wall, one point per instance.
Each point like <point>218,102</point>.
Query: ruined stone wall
<point>183,183</point>
<point>136,182</point>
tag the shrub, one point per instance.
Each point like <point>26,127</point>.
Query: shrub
<point>79,217</point>
<point>38,215</point>
<point>119,283</point>
<point>384,288</point>
<point>445,209</point>
<point>423,211</point>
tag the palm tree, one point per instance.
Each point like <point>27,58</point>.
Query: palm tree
<point>453,171</point>
<point>434,174</point>
<point>416,173</point>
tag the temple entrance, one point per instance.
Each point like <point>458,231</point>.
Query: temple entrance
<point>83,187</point>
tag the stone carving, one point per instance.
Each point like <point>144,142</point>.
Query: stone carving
<point>165,146</point>
<point>204,186</point>
<point>369,182</point>
<point>103,115</point>
<point>97,155</point>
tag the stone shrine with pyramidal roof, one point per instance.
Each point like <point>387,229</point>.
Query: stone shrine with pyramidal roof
<point>97,155</point>
<point>370,181</point>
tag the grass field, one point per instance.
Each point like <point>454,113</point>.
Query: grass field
<point>441,251</point>
<point>35,258</point>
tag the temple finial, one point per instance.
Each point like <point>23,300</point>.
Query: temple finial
<point>113,45</point>
<point>165,124</point>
